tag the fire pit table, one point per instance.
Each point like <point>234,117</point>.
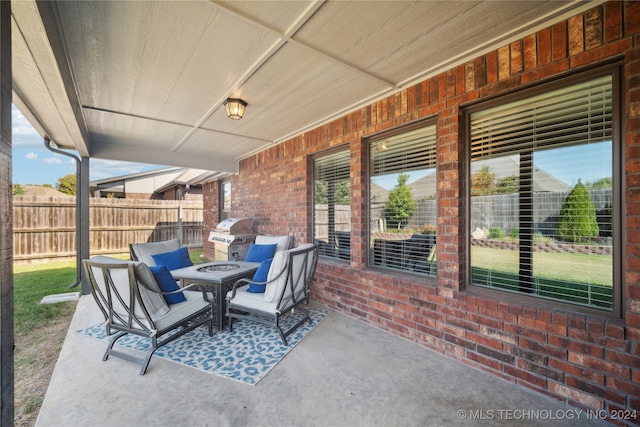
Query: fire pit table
<point>216,279</point>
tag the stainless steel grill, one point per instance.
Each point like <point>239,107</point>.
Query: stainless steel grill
<point>232,237</point>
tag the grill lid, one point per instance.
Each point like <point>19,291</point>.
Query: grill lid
<point>236,226</point>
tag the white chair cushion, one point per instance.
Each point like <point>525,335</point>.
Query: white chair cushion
<point>154,302</point>
<point>252,300</point>
<point>183,309</point>
<point>144,251</point>
<point>282,242</point>
<point>274,288</point>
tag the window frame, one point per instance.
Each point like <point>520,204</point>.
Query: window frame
<point>615,70</point>
<point>225,211</point>
<point>342,148</point>
<point>367,142</point>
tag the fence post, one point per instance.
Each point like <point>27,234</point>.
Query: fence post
<point>180,236</point>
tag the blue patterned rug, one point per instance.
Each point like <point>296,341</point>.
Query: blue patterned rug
<point>247,354</point>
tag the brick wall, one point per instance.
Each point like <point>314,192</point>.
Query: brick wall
<point>210,216</point>
<point>588,361</point>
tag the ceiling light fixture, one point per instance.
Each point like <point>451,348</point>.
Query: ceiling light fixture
<point>235,108</point>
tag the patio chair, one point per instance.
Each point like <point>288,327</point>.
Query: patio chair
<point>287,287</point>
<point>144,252</point>
<point>131,301</point>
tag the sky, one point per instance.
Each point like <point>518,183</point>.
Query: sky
<point>566,164</point>
<point>34,164</point>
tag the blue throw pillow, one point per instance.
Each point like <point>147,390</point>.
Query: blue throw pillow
<point>174,259</point>
<point>258,253</point>
<point>260,276</point>
<point>167,283</point>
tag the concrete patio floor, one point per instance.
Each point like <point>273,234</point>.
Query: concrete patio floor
<point>344,373</point>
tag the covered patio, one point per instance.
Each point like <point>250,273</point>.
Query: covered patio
<point>149,81</point>
<point>344,373</point>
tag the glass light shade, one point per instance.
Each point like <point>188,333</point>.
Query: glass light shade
<point>235,108</point>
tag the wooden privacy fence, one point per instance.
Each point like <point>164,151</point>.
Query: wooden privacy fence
<point>44,228</point>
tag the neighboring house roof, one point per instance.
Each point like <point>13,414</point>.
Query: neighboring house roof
<point>142,182</point>
<point>188,177</point>
<point>379,193</point>
<point>503,167</point>
<point>154,181</point>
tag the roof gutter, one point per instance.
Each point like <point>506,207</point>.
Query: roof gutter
<point>48,146</point>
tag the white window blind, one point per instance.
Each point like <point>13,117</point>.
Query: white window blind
<point>402,206</point>
<point>332,210</point>
<point>576,114</point>
<point>541,195</point>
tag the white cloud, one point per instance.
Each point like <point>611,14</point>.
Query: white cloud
<point>52,160</point>
<point>23,134</point>
<point>31,156</point>
<point>102,169</point>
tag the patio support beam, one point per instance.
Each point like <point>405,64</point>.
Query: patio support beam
<point>6,222</point>
<point>83,223</point>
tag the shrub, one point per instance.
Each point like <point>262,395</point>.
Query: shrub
<point>496,233</point>
<point>426,229</point>
<point>515,233</point>
<point>400,205</point>
<point>538,237</point>
<point>578,216</point>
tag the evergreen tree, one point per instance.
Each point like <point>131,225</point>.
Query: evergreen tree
<point>342,195</point>
<point>578,216</point>
<point>400,205</point>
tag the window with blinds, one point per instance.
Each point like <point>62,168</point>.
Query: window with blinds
<point>542,201</point>
<point>332,205</point>
<point>402,202</point>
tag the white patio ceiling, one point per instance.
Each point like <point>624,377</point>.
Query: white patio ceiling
<point>145,80</point>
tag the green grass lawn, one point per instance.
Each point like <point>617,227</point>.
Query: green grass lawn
<point>578,278</point>
<point>34,281</point>
<point>31,283</point>
<point>577,268</point>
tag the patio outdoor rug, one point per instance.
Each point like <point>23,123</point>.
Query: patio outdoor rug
<point>247,354</point>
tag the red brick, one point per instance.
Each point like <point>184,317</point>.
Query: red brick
<point>576,35</point>
<point>530,53</point>
<point>519,330</point>
<point>595,390</point>
<point>627,387</point>
<point>485,361</point>
<point>600,53</point>
<point>631,17</point>
<point>504,64</point>
<point>612,21</point>
<point>492,67</point>
<point>460,81</point>
<point>575,395</point>
<point>622,358</point>
<point>577,371</point>
<point>522,374</point>
<point>480,72</point>
<point>540,370</point>
<point>546,71</point>
<point>543,348</point>
<point>516,57</point>
<point>599,365</point>
<point>559,41</point>
<point>544,46</point>
<point>486,341</point>
<point>593,28</point>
